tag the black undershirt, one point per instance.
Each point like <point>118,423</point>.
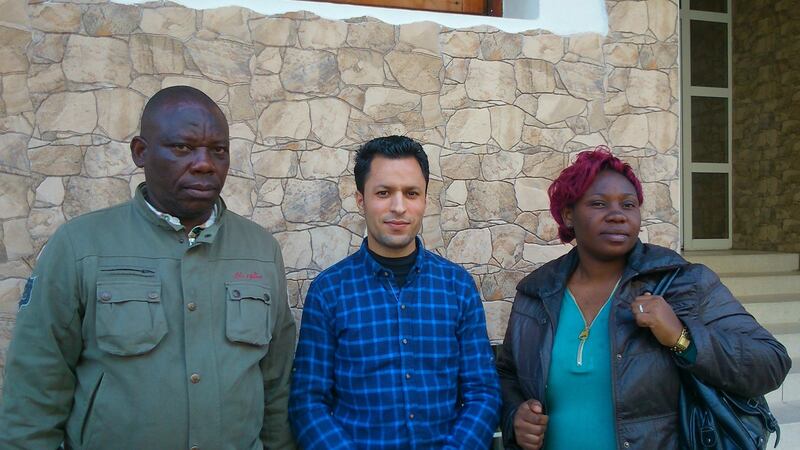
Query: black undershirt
<point>400,267</point>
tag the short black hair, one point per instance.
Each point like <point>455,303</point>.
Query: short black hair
<point>170,96</point>
<point>392,147</point>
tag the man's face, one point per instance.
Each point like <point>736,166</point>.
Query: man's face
<point>393,203</point>
<point>185,159</point>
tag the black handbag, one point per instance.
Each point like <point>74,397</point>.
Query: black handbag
<point>710,418</point>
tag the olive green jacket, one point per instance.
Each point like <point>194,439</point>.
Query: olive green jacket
<point>128,337</point>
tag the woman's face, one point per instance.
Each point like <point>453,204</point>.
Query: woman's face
<point>606,219</point>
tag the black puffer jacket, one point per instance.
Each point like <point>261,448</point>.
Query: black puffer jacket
<point>733,351</point>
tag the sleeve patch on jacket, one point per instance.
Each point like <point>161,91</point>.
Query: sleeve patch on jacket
<point>26,293</point>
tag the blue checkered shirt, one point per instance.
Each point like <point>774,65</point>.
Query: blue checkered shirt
<point>384,368</point>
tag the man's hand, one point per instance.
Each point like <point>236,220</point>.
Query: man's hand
<point>652,311</point>
<point>529,425</point>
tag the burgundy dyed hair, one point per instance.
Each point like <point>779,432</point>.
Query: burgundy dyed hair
<point>575,180</point>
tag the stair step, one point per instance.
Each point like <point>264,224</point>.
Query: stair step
<point>789,336</point>
<point>773,309</point>
<point>790,436</point>
<point>789,392</point>
<point>727,261</point>
<point>773,283</point>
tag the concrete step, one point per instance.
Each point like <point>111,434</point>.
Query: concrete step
<point>788,415</point>
<point>773,309</point>
<point>787,334</point>
<point>755,283</point>
<point>730,261</point>
<point>789,391</point>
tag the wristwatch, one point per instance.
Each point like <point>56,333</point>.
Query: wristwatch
<point>683,342</point>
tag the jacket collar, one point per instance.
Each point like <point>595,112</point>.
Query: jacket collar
<point>145,210</point>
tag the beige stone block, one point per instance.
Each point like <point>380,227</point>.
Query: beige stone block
<point>540,254</point>
<point>135,181</point>
<point>56,159</point>
<point>118,112</point>
<point>588,46</point>
<point>311,201</point>
<point>552,138</point>
<point>271,192</point>
<point>629,131</point>
<point>110,19</point>
<point>157,54</point>
<point>360,66</point>
<point>528,221</point>
<point>329,245</point>
<point>270,218</point>
<point>596,116</point>
<point>621,54</point>
<point>454,96</point>
<point>285,119</point>
<point>547,228</point>
<point>239,156</point>
<point>16,195</point>
<point>230,22</point>
<point>582,80</point>
<point>497,313</point>
<point>454,218</point>
<point>15,124</point>
<point>14,269</point>
<point>421,36</point>
<point>376,36</point>
<point>662,130</point>
<point>17,239</point>
<point>329,117</point>
<point>432,111</point>
<point>13,55</point>
<point>534,75</point>
<point>469,125</point>
<point>269,61</point>
<point>221,60</point>
<point>554,108</point>
<point>531,193</point>
<point>657,204</point>
<point>56,17</point>
<point>241,104</point>
<point>310,71</point>
<point>381,103</point>
<point>507,124</point>
<point>461,166</point>
<point>548,47</point>
<point>177,22</point>
<point>629,17</point>
<point>470,247</point>
<point>461,44</point>
<point>217,91</point>
<point>14,152</point>
<point>273,31</point>
<point>68,111</point>
<point>546,165</point>
<point>15,94</point>
<point>662,18</point>
<point>295,249</point>
<point>648,88</point>
<point>14,13</point>
<point>416,71</point>
<point>50,192</point>
<point>659,56</point>
<point>323,163</point>
<point>90,194</point>
<point>43,222</point>
<point>240,195</point>
<point>432,232</point>
<point>347,193</point>
<point>501,165</point>
<point>491,200</point>
<point>528,103</point>
<point>97,59</point>
<point>10,293</point>
<point>111,159</point>
<point>47,48</point>
<point>663,234</point>
<point>44,79</point>
<point>353,95</point>
<point>456,70</point>
<point>491,81</point>
<point>322,34</point>
<point>507,244</point>
<point>499,45</point>
<point>456,193</point>
<point>275,164</point>
<point>266,88</point>
<point>658,168</point>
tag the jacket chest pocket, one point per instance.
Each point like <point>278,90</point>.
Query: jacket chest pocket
<point>248,313</point>
<point>130,318</point>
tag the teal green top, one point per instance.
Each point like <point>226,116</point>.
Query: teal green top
<point>579,392</point>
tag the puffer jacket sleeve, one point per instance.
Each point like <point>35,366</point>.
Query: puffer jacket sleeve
<point>734,352</point>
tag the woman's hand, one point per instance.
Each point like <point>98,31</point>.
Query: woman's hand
<point>529,425</point>
<point>652,311</point>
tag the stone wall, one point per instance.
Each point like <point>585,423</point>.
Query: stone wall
<point>499,115</point>
<point>766,125</point>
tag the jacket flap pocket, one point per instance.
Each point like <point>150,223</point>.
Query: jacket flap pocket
<point>248,291</point>
<point>127,291</point>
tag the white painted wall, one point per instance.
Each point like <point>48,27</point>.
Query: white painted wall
<point>561,17</point>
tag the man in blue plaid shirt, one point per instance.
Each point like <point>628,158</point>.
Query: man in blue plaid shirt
<point>393,351</point>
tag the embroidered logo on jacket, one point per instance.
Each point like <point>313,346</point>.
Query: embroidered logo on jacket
<point>247,276</point>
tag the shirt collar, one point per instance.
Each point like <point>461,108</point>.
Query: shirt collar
<point>375,268</point>
<point>175,223</point>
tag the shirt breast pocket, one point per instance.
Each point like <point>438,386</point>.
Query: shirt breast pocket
<point>248,313</point>
<point>130,318</point>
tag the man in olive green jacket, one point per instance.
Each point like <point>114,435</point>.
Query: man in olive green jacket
<point>160,323</point>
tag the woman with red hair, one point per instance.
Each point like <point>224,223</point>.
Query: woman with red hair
<point>590,358</point>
